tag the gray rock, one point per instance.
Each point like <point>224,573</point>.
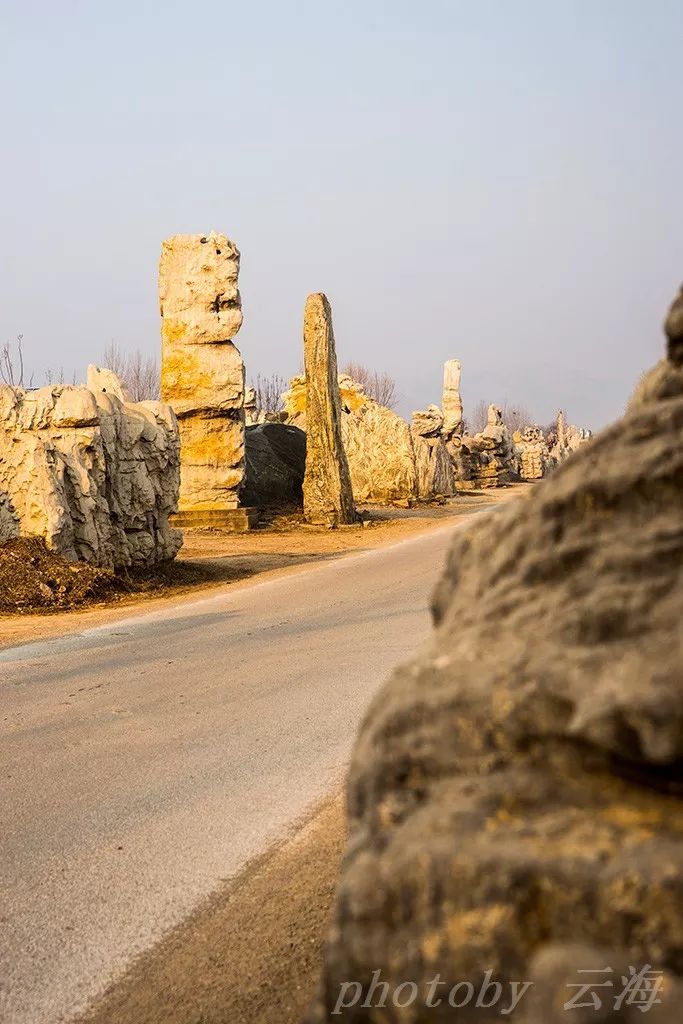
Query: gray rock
<point>275,464</point>
<point>517,786</point>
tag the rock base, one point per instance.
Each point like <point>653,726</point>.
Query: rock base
<point>229,520</point>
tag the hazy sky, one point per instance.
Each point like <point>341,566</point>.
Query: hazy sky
<point>495,180</point>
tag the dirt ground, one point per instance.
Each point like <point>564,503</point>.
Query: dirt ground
<point>208,559</point>
<point>251,954</point>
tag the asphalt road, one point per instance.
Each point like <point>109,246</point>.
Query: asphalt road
<point>144,762</point>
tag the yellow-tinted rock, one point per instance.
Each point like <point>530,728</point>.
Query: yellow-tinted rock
<point>328,497</point>
<point>377,441</point>
<point>198,294</point>
<point>94,476</point>
<point>202,374</point>
<point>452,402</point>
<point>378,447</point>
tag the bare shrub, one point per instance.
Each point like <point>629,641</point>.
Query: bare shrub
<point>138,373</point>
<point>379,386</point>
<point>269,392</point>
<point>12,364</point>
<point>515,417</point>
<point>476,420</point>
<point>142,377</point>
<point>54,376</point>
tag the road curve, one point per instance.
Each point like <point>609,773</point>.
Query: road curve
<point>145,761</point>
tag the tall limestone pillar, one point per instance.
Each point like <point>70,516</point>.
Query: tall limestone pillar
<point>451,405</point>
<point>202,375</point>
<point>453,423</point>
<point>328,497</point>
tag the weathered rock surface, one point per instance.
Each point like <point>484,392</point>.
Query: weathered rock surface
<point>433,462</point>
<point>251,413</point>
<point>531,450</point>
<point>105,380</point>
<point>564,440</point>
<point>294,401</point>
<point>377,442</point>
<point>351,397</point>
<point>487,459</point>
<point>275,465</point>
<point>451,404</point>
<point>202,373</point>
<point>94,476</point>
<point>378,447</point>
<point>516,788</point>
<point>328,497</point>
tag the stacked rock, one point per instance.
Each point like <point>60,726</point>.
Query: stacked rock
<point>531,449</point>
<point>202,373</point>
<point>487,459</point>
<point>433,462</point>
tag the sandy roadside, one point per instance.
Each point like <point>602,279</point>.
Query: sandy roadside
<point>249,955</point>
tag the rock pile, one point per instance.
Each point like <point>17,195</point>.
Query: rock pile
<point>531,449</point>
<point>565,439</point>
<point>487,459</point>
<point>94,475</point>
<point>433,462</point>
<point>515,796</point>
<point>389,461</point>
<point>202,373</point>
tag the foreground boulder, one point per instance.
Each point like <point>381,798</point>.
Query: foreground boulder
<point>514,798</point>
<point>93,475</point>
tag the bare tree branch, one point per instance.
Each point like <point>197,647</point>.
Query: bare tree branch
<point>379,386</point>
<point>12,364</point>
<point>269,393</point>
<point>476,420</point>
<point>137,372</point>
<point>515,417</point>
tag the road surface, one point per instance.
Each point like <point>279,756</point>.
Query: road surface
<point>144,762</point>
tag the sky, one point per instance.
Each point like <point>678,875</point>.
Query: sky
<point>497,181</point>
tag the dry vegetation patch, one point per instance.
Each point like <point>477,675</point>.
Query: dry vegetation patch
<point>34,578</point>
